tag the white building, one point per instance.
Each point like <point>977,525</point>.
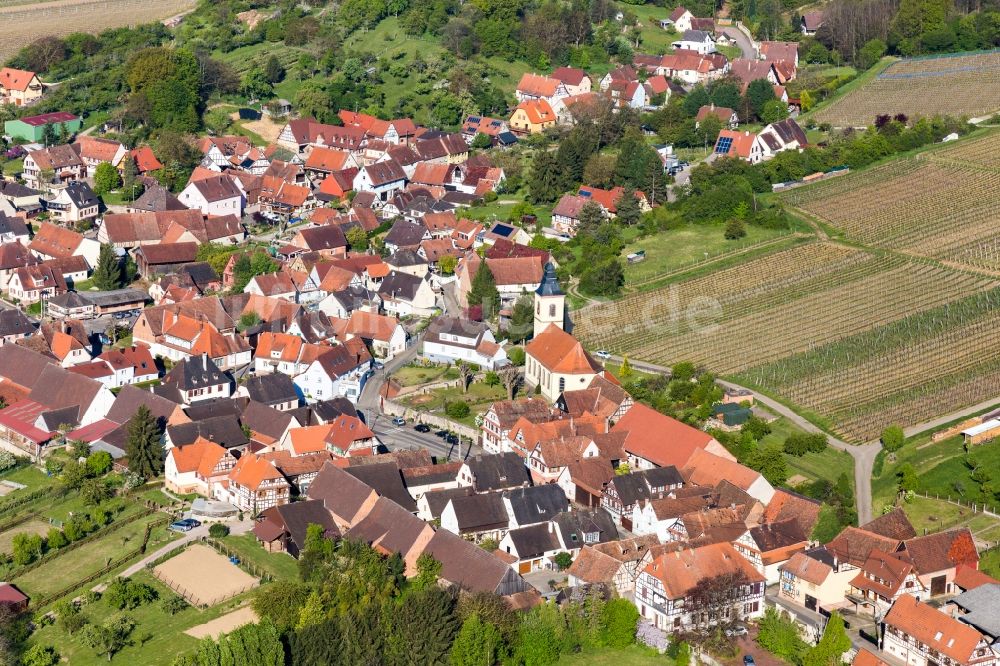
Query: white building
<point>450,340</point>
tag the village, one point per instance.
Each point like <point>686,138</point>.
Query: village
<point>318,338</point>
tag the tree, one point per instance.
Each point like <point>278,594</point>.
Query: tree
<point>484,291</point>
<point>128,594</point>
<point>447,264</point>
<point>248,320</point>
<point>94,491</point>
<point>907,478</point>
<point>718,597</point>
<point>516,356</point>
<point>317,645</point>
<point>774,110</point>
<point>605,279</point>
<point>130,176</point>
<point>735,229</point>
<point>465,372</point>
<point>476,644</point>
<point>428,572</point>
<point>831,647</point>
<point>143,445</point>
<point>510,377</point>
<point>173,604</point>
<point>563,560</point>
<point>780,636</point>
<point>55,539</point>
<point>48,134</point>
<point>273,70</point>
<point>619,618</point>
<point>482,141</point>
<point>99,462</point>
<point>357,239</point>
<point>458,409</point>
<point>79,449</point>
<point>590,217</point>
<point>280,602</point>
<point>109,638</point>
<point>218,530</point>
<point>108,272</point>
<point>545,179</point>
<point>106,178</point>
<point>759,93</point>
<point>26,548</point>
<point>7,460</point>
<point>625,371</point>
<point>627,206</point>
<point>256,86</point>
<point>40,655</point>
<point>871,53</point>
<point>893,438</point>
<point>312,613</point>
<point>424,627</point>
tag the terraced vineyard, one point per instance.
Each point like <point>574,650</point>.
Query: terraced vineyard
<point>955,85</point>
<point>941,204</point>
<point>22,22</point>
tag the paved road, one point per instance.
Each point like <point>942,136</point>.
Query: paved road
<point>405,437</point>
<point>746,45</point>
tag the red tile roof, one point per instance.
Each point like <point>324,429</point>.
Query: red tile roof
<point>659,438</point>
<point>15,79</point>
<point>933,628</point>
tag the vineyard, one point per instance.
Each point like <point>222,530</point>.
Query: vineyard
<point>23,22</point>
<point>792,322</point>
<point>957,85</point>
<point>939,204</point>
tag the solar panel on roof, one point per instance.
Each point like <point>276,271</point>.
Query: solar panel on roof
<point>503,230</point>
<point>585,193</point>
<point>724,144</point>
<point>474,119</point>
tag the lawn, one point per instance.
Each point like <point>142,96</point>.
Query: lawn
<point>989,562</point>
<point>479,397</point>
<point>634,655</point>
<point>653,38</point>
<point>279,565</point>
<point>414,375</point>
<point>33,526</point>
<point>164,633</point>
<point>93,556</point>
<point>497,211</point>
<point>828,464</point>
<point>29,475</point>
<point>157,497</point>
<point>676,248</point>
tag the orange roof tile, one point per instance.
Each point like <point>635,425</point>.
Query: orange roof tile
<point>682,570</point>
<point>251,470</point>
<point>15,79</point>
<point>659,438</point>
<point>560,352</point>
<point>536,85</point>
<point>933,628</point>
<point>538,111</point>
<point>200,456</point>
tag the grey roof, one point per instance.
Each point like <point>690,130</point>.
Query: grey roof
<point>387,481</point>
<point>298,516</point>
<point>157,199</point>
<point>534,540</point>
<point>201,273</point>
<point>405,257</point>
<point>662,476</point>
<point>115,297</point>
<point>536,504</point>
<point>70,300</point>
<point>437,500</point>
<point>81,195</point>
<point>405,233</point>
<point>574,526</point>
<point>130,398</point>
<point>223,430</point>
<point>468,566</point>
<point>9,188</point>
<point>789,131</point>
<point>630,488</point>
<point>479,513</point>
<point>983,606</point>
<point>196,372</point>
<point>696,36</point>
<point>327,237</point>
<point>265,419</point>
<point>13,322</point>
<point>272,389</point>
<point>57,417</point>
<point>58,388</point>
<point>550,283</point>
<point>342,493</point>
<point>13,225</point>
<point>399,285</point>
<point>390,526</point>
<point>206,409</point>
<point>498,472</point>
<point>328,410</point>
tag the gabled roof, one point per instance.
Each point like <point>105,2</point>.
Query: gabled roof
<point>224,430</point>
<point>252,470</point>
<point>659,438</point>
<point>341,493</point>
<point>130,398</point>
<point>536,504</point>
<point>479,513</point>
<point>201,456</point>
<point>735,143</point>
<point>536,85</point>
<point>196,372</point>
<point>681,571</point>
<point>853,545</point>
<point>894,525</point>
<point>55,241</point>
<point>569,75</point>
<point>496,472</point>
<point>558,351</point>
<point>538,111</point>
<point>328,237</point>
<point>217,188</point>
<point>941,551</point>
<point>466,565</point>
<point>809,569</point>
<point>707,469</point>
<point>933,628</point>
<point>270,389</point>
<point>15,79</point>
<point>387,481</point>
<point>882,573</point>
<point>383,173</point>
<point>389,528</point>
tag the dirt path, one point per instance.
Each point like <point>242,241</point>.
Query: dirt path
<point>224,624</point>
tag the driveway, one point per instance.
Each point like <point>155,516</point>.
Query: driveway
<point>241,527</point>
<point>747,46</point>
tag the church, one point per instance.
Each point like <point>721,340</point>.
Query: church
<point>555,361</point>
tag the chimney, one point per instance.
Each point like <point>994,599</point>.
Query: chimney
<point>204,362</point>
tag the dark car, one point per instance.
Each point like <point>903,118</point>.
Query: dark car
<point>441,433</point>
<point>422,427</point>
<point>451,438</point>
<point>748,660</point>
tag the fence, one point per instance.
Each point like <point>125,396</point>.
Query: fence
<point>249,567</point>
<point>21,500</point>
<point>42,602</point>
<point>196,600</point>
<point>17,520</point>
<point>977,508</point>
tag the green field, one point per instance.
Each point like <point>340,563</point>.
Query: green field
<point>89,558</point>
<point>989,562</point>
<point>479,396</point>
<point>828,465</point>
<point>414,375</point>
<point>653,39</point>
<point>689,245</point>
<point>166,637</point>
<point>279,565</point>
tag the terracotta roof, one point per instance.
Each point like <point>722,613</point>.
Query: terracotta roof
<point>569,75</point>
<point>570,205</point>
<point>217,188</point>
<point>252,470</point>
<point>786,505</point>
<point>864,657</point>
<point>15,79</point>
<point>608,199</point>
<point>55,241</point>
<point>678,12</point>
<point>558,351</point>
<point>535,85</point>
<point>853,545</point>
<point>145,159</point>
<point>466,565</point>
<point>707,469</point>
<point>779,51</point>
<point>723,113</point>
<point>382,173</point>
<point>807,568</point>
<point>517,270</point>
<point>429,173</point>
<point>539,111</point>
<point>95,148</point>
<point>201,456</point>
<point>681,571</point>
<point>969,578</point>
<point>894,525</point>
<point>933,628</point>
<point>941,551</point>
<point>886,574</point>
<point>658,438</point>
<point>371,326</point>
<point>740,145</point>
<point>170,253</point>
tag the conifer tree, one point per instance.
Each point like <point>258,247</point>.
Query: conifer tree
<point>484,291</point>
<point>143,446</point>
<point>108,273</point>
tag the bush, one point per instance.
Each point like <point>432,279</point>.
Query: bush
<point>7,460</point>
<point>563,560</point>
<point>457,410</point>
<point>516,356</point>
<point>218,530</point>
<point>173,605</point>
<point>125,593</point>
<point>780,636</point>
<point>98,463</point>
<point>893,438</point>
<point>801,443</point>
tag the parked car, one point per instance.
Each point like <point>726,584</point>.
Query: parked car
<point>602,354</point>
<point>451,438</point>
<point>399,421</point>
<point>422,427</point>
<point>736,631</point>
<point>185,525</point>
<point>748,660</point>
<point>441,433</point>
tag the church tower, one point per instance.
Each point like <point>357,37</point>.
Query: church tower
<point>550,302</point>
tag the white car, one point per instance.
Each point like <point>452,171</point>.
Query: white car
<point>736,631</point>
<point>602,354</point>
